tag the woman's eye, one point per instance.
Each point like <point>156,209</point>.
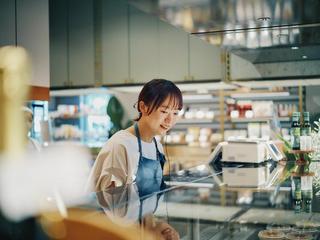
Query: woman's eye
<point>164,112</point>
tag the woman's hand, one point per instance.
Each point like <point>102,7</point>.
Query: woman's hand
<point>167,232</point>
<point>162,229</point>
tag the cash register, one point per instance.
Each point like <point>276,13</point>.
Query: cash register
<point>254,157</point>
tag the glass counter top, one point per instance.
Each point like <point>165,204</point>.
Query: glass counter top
<point>203,207</point>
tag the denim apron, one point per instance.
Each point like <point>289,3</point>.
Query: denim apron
<point>149,177</point>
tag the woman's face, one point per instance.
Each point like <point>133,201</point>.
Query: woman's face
<point>163,118</point>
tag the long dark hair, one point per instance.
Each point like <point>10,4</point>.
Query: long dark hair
<point>156,91</point>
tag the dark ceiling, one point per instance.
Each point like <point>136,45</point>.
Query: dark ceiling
<point>261,31</point>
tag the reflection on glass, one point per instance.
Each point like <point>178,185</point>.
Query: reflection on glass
<point>131,204</point>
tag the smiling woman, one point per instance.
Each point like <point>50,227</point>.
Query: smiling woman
<point>134,154</point>
<point>158,105</point>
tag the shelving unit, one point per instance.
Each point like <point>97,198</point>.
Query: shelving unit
<point>288,99</point>
<point>200,120</point>
<point>281,103</point>
<point>80,117</point>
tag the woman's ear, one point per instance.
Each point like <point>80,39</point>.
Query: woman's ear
<point>143,108</point>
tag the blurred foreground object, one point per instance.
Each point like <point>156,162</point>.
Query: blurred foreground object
<point>32,182</point>
<point>47,182</point>
<point>14,76</point>
<point>50,180</point>
<point>82,224</point>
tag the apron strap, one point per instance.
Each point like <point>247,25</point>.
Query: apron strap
<point>158,152</point>
<point>136,129</point>
<point>160,156</point>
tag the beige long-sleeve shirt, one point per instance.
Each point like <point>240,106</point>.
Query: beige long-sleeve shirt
<point>118,160</point>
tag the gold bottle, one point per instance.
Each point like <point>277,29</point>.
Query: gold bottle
<point>14,77</point>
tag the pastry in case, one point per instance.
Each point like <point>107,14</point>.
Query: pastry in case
<point>271,234</point>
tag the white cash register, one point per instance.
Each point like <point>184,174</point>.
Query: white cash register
<point>252,155</point>
<point>250,151</point>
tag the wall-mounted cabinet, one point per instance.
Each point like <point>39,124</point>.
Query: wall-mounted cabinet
<point>135,46</point>
<point>25,24</point>
<point>115,42</point>
<point>143,51</point>
<point>7,23</point>
<point>58,43</point>
<point>71,43</point>
<point>205,60</point>
<point>81,43</point>
<point>173,52</point>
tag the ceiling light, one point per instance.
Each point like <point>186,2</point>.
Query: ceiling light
<point>264,19</point>
<point>294,48</point>
<point>282,83</point>
<point>77,92</point>
<point>259,95</point>
<point>202,91</point>
<point>184,87</point>
<point>207,97</point>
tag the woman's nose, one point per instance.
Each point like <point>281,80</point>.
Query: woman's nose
<point>169,118</point>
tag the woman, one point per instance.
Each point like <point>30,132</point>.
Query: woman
<point>133,154</point>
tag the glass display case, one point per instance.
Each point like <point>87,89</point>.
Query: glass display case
<point>212,211</point>
<point>80,117</point>
<point>40,116</point>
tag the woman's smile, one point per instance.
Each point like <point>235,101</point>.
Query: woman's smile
<point>165,127</point>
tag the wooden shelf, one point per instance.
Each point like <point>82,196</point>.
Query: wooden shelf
<point>196,121</point>
<point>66,117</point>
<point>294,174</point>
<point>300,151</point>
<point>76,116</point>
<point>262,119</point>
<point>301,162</point>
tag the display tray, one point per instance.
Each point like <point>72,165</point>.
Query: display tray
<point>196,211</point>
<point>272,216</point>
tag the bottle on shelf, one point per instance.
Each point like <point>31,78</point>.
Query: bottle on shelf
<point>307,205</point>
<point>296,194</point>
<point>295,131</point>
<point>305,139</point>
<point>307,193</point>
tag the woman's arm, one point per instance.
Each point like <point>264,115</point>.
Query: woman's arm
<point>111,167</point>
